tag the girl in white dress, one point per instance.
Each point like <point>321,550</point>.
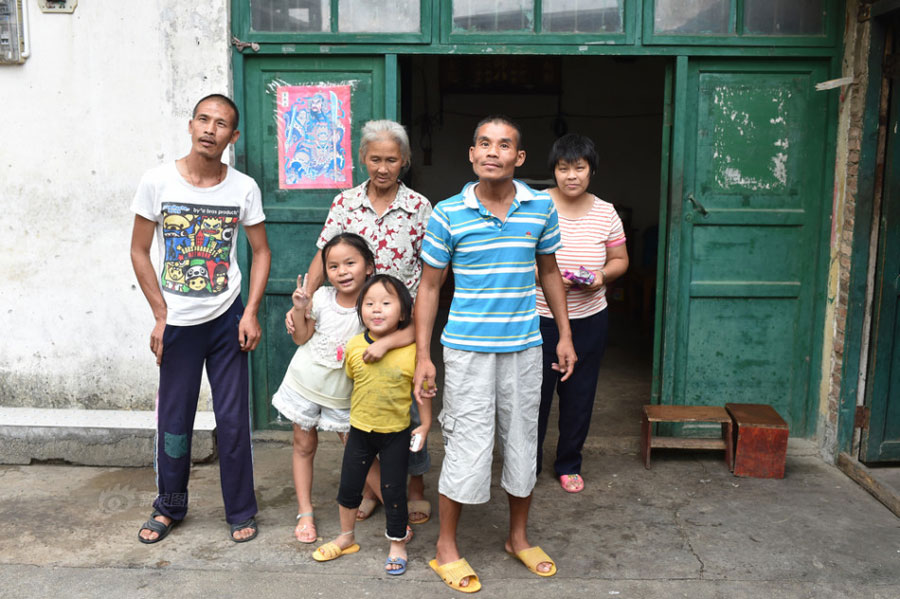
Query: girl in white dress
<point>315,392</point>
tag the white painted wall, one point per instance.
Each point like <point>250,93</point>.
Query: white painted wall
<point>106,94</point>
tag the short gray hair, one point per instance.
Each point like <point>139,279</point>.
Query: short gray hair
<point>381,129</point>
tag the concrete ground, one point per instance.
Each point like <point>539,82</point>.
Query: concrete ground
<point>685,528</point>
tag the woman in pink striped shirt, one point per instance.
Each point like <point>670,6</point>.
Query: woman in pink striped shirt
<point>592,256</point>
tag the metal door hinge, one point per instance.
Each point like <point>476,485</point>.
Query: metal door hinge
<point>241,46</point>
<point>861,419</point>
<point>864,13</point>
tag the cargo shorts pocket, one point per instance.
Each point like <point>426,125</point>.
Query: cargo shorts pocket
<point>448,424</point>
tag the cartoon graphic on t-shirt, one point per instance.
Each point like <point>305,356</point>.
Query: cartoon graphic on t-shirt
<point>173,276</point>
<point>198,248</point>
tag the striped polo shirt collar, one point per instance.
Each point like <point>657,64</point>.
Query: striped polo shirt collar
<point>523,194</point>
<point>493,307</point>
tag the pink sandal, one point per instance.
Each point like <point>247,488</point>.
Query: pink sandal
<point>571,483</point>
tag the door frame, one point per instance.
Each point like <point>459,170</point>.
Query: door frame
<point>877,443</point>
<point>673,130</point>
<point>671,213</point>
<point>854,367</point>
<point>856,373</point>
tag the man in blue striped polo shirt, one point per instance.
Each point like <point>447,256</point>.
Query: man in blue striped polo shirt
<point>493,233</point>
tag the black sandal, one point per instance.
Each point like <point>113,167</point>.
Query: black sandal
<point>154,525</point>
<point>248,523</point>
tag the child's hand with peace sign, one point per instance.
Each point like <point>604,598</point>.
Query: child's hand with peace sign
<point>301,296</point>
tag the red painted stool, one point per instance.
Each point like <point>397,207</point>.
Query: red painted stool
<point>760,440</point>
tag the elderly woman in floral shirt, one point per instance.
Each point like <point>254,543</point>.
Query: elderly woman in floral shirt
<point>392,218</point>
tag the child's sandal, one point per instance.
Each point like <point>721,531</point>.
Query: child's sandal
<point>391,561</point>
<point>298,531</point>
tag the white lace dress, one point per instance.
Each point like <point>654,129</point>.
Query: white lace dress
<point>316,371</point>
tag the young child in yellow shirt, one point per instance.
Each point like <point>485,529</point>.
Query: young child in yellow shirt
<point>379,421</point>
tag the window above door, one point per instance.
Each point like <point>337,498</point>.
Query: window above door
<point>740,22</point>
<point>460,21</point>
<point>537,21</point>
<point>346,21</point>
<point>581,23</point>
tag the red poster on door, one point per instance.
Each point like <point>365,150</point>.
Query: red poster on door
<point>314,137</point>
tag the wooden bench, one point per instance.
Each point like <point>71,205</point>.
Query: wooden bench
<point>655,414</point>
<point>760,440</point>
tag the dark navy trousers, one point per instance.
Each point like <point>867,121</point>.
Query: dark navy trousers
<point>185,351</point>
<point>576,394</point>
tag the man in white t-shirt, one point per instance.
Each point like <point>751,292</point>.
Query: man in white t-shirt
<point>193,207</point>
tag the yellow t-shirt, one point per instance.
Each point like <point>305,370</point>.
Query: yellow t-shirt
<point>381,390</point>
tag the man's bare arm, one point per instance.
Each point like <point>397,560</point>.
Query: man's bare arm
<point>141,240</point>
<point>249,331</point>
<point>554,292</point>
<point>425,313</point>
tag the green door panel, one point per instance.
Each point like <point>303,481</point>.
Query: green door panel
<point>736,351</point>
<point>744,235</point>
<point>294,217</point>
<point>881,440</point>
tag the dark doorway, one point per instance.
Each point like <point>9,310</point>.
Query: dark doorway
<point>617,102</point>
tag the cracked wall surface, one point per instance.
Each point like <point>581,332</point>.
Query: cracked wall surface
<point>106,95</point>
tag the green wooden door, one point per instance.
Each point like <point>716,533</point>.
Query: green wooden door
<point>881,440</point>
<point>746,202</point>
<point>294,217</point>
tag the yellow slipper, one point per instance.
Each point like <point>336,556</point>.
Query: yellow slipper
<point>533,556</point>
<point>452,574</point>
<point>330,551</point>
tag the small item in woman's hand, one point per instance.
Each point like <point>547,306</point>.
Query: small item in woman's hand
<point>580,278</point>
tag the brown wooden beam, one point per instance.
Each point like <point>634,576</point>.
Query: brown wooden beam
<point>883,7</point>
<point>863,476</point>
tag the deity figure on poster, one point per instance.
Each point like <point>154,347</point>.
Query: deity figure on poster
<point>313,137</point>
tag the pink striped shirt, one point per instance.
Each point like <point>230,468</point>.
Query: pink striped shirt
<point>585,241</point>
